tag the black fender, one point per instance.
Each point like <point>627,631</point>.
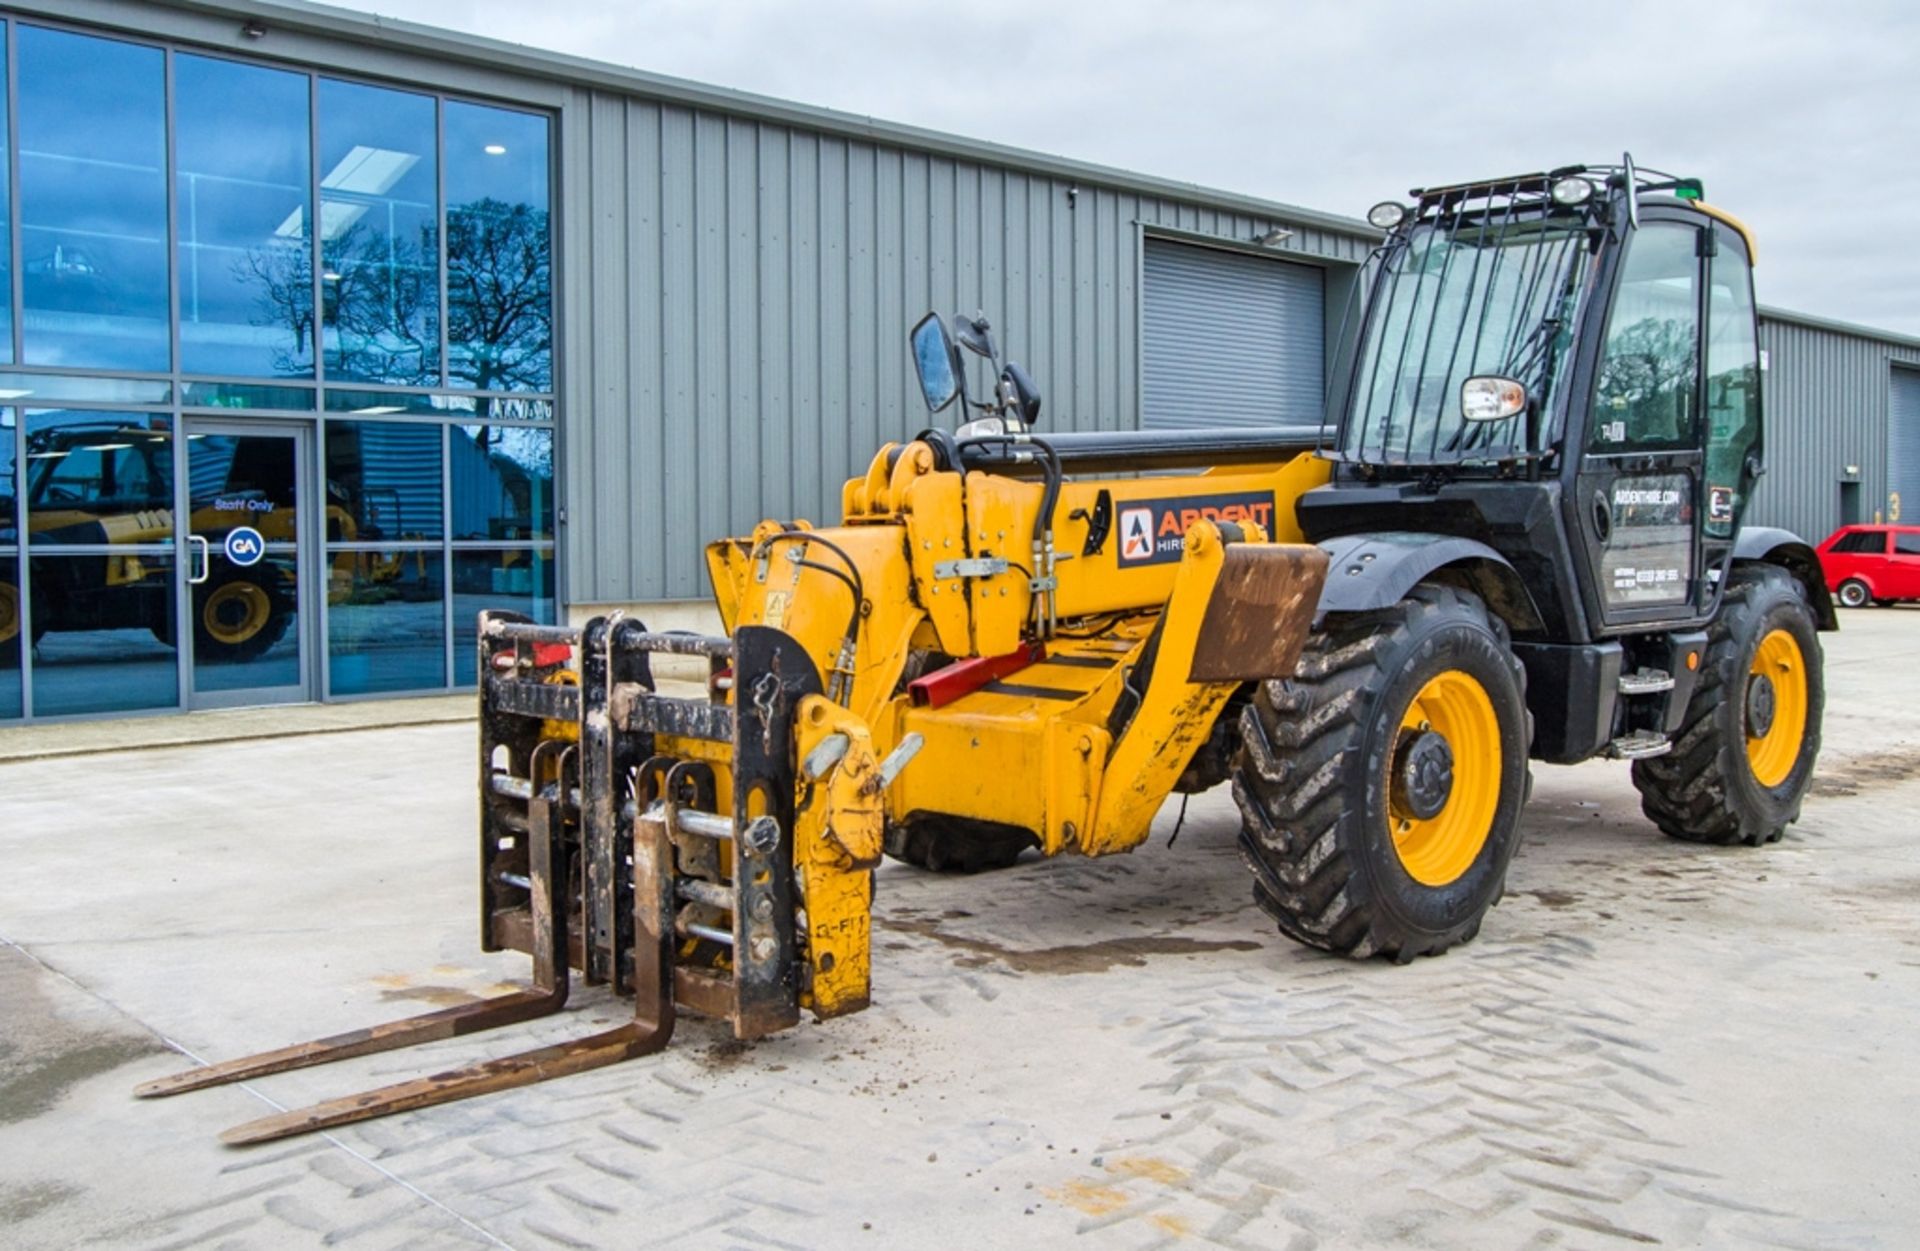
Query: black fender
<point>1769,545</point>
<point>1371,571</point>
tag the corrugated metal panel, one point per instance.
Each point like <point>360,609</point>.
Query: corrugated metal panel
<point>1230,339</point>
<point>1825,396</point>
<point>736,295</point>
<point>1903,446</point>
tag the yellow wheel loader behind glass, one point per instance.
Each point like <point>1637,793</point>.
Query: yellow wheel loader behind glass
<point>1519,540</point>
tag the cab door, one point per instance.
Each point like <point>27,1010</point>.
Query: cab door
<point>1637,495</point>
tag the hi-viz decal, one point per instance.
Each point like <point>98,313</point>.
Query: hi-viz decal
<point>1153,532</point>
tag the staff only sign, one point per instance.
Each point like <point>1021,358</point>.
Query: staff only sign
<point>1152,532</point>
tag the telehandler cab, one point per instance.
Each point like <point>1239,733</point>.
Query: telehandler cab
<point>1521,539</point>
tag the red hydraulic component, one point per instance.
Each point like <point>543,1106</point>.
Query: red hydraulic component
<point>962,677</point>
<point>546,655</point>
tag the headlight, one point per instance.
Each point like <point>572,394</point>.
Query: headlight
<point>1491,399</point>
<point>1386,215</point>
<point>1572,191</point>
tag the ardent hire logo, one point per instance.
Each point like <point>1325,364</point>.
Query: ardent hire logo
<point>1136,534</point>
<point>1153,532</point>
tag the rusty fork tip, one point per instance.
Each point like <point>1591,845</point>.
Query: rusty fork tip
<point>173,1084</point>
<point>252,1134</point>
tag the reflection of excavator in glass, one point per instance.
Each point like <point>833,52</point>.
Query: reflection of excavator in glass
<point>362,516</point>
<point>109,485</point>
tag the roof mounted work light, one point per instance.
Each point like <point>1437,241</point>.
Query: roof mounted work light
<point>1572,191</point>
<point>1386,215</point>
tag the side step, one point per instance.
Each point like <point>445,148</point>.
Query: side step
<point>1646,682</point>
<point>1639,745</point>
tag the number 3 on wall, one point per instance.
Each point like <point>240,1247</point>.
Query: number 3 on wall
<point>1893,505</point>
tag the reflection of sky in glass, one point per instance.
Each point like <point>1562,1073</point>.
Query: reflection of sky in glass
<point>93,211</point>
<point>6,241</point>
<point>499,278</point>
<point>379,245</point>
<point>246,274</point>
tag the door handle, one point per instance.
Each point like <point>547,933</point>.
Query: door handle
<point>206,561</point>
<point>1602,518</point>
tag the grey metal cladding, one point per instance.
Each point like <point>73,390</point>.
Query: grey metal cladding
<point>1230,339</point>
<point>738,293</point>
<point>1903,445</point>
<point>1825,398</point>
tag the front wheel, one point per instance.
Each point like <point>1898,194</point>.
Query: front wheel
<point>1743,759</point>
<point>9,625</point>
<point>1380,788</point>
<point>237,617</point>
<point>1853,593</point>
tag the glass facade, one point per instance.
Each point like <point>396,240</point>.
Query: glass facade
<point>219,262</point>
<point>244,254</point>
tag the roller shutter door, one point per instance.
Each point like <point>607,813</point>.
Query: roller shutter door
<point>1230,339</point>
<point>1903,446</point>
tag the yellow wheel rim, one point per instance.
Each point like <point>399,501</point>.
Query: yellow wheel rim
<point>9,611</point>
<point>1437,849</point>
<point>236,612</point>
<point>1772,755</point>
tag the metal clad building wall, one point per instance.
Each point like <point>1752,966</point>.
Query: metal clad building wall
<point>736,299</point>
<point>1825,396</point>
<point>1230,339</point>
<point>1903,446</point>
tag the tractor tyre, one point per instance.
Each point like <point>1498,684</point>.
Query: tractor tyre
<point>1743,759</point>
<point>1380,787</point>
<point>1853,593</point>
<point>237,617</point>
<point>10,618</point>
<point>956,845</point>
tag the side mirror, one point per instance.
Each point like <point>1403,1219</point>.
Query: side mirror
<point>933,360</point>
<point>975,335</point>
<point>1492,398</point>
<point>1018,389</point>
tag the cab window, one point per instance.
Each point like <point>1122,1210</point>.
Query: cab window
<point>1733,388</point>
<point>1905,544</point>
<point>1650,366</point>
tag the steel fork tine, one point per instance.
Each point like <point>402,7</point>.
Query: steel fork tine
<point>551,983</point>
<point>653,906</point>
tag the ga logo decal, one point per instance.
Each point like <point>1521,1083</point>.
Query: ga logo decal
<point>1153,532</point>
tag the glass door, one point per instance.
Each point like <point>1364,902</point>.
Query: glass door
<point>245,564</point>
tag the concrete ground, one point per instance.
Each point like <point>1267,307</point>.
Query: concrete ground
<point>1650,1043</point>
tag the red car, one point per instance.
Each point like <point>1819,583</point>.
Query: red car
<point>1872,564</point>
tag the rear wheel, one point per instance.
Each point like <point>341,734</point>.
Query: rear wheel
<point>1743,759</point>
<point>236,617</point>
<point>9,625</point>
<point>1853,593</point>
<point>1380,788</point>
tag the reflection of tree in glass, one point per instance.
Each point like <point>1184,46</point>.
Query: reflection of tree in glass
<point>381,300</point>
<point>499,297</point>
<point>1647,378</point>
<point>283,276</point>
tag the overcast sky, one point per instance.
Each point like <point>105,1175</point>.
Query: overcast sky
<point>1803,119</point>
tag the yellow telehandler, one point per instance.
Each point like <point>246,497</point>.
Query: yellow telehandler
<point>1520,538</point>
